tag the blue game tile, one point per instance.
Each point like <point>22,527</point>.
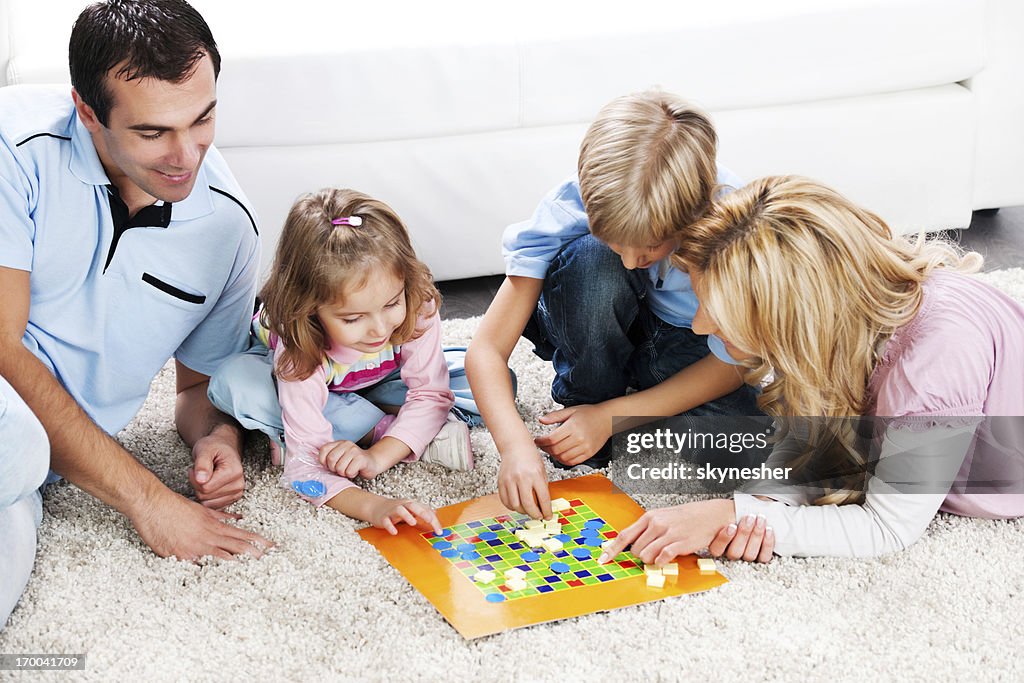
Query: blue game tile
<point>474,525</point>
<point>525,567</point>
<point>590,532</point>
<point>511,546</point>
<point>444,532</point>
<point>531,557</point>
<point>465,547</point>
<point>495,597</point>
<point>485,567</point>
<point>581,540</point>
<point>560,553</point>
<point>552,579</point>
<point>604,577</point>
<point>545,589</point>
<point>441,545</point>
<point>450,553</point>
<point>593,523</point>
<point>495,542</point>
<point>559,567</point>
<point>564,538</point>
<point>581,553</point>
<point>583,573</point>
<point>594,542</point>
<point>471,555</point>
<point>493,558</point>
<point>488,535</point>
<point>496,527</point>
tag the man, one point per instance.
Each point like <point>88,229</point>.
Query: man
<point>124,240</point>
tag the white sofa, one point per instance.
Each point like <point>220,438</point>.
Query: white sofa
<point>463,114</point>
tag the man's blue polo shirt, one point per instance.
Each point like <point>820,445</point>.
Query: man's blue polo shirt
<point>113,299</point>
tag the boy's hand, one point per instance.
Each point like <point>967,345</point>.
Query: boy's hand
<point>583,431</point>
<point>523,484</point>
<point>349,460</point>
<point>387,512</point>
<point>751,541</point>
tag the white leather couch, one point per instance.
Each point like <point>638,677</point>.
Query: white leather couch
<point>463,114</point>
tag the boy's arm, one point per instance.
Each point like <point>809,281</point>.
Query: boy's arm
<point>522,481</point>
<point>85,455</point>
<point>585,429</point>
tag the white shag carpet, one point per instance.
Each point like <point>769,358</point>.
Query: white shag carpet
<point>326,606</point>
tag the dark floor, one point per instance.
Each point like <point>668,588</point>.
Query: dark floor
<point>998,236</point>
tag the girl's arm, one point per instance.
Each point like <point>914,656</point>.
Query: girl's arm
<point>522,481</point>
<point>428,400</point>
<point>383,512</point>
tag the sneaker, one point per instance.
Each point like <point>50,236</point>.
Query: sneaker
<point>276,454</point>
<point>451,447</point>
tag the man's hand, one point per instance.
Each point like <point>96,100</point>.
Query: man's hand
<point>216,473</point>
<point>583,430</point>
<point>174,526</point>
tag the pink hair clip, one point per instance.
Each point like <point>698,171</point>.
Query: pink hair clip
<point>352,221</point>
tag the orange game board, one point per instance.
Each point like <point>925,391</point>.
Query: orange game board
<point>560,584</point>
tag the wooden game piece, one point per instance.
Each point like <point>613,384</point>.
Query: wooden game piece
<point>513,574</point>
<point>552,526</point>
<point>516,584</point>
<point>533,524</point>
<point>652,570</point>
<point>483,576</point>
<point>670,569</point>
<point>559,504</point>
<point>551,544</point>
<point>706,565</point>
<point>655,580</point>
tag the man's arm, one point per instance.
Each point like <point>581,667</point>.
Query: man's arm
<point>85,455</point>
<point>215,438</point>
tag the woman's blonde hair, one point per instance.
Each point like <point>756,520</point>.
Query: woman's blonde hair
<point>317,263</point>
<point>647,168</point>
<point>812,285</point>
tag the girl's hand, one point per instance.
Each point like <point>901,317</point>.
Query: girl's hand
<point>523,484</point>
<point>385,513</point>
<point>661,535</point>
<point>582,432</point>
<point>751,541</point>
<point>349,460</point>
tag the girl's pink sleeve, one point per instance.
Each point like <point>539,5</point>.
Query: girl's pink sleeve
<point>305,431</point>
<point>425,373</point>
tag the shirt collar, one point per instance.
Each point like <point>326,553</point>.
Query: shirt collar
<point>86,166</point>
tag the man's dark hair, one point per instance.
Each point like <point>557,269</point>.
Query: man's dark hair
<point>162,39</point>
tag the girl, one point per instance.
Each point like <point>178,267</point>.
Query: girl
<point>838,318</point>
<point>350,329</point>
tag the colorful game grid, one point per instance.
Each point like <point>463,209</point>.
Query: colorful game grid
<point>479,536</point>
<point>491,545</point>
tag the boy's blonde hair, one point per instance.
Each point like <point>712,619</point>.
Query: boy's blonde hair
<point>811,284</point>
<point>647,168</point>
<point>318,263</point>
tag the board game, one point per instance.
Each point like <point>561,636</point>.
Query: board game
<point>491,569</point>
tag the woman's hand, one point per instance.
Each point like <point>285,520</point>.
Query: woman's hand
<point>751,541</point>
<point>661,535</point>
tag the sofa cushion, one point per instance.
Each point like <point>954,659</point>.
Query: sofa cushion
<point>325,72</point>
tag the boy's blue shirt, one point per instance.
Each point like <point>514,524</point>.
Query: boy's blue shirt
<point>529,248</point>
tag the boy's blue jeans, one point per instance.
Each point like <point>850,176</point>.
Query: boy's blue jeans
<point>593,323</point>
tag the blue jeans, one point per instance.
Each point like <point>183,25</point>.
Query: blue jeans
<point>593,323</point>
<point>24,461</point>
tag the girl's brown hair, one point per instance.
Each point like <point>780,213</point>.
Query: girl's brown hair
<point>317,263</point>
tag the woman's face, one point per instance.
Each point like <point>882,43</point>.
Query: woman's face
<point>704,322</point>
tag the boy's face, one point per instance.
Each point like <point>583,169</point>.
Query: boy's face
<point>642,256</point>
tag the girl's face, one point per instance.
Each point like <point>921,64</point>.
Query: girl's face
<point>704,323</point>
<point>365,319</point>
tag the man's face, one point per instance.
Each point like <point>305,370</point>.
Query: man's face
<point>157,132</point>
